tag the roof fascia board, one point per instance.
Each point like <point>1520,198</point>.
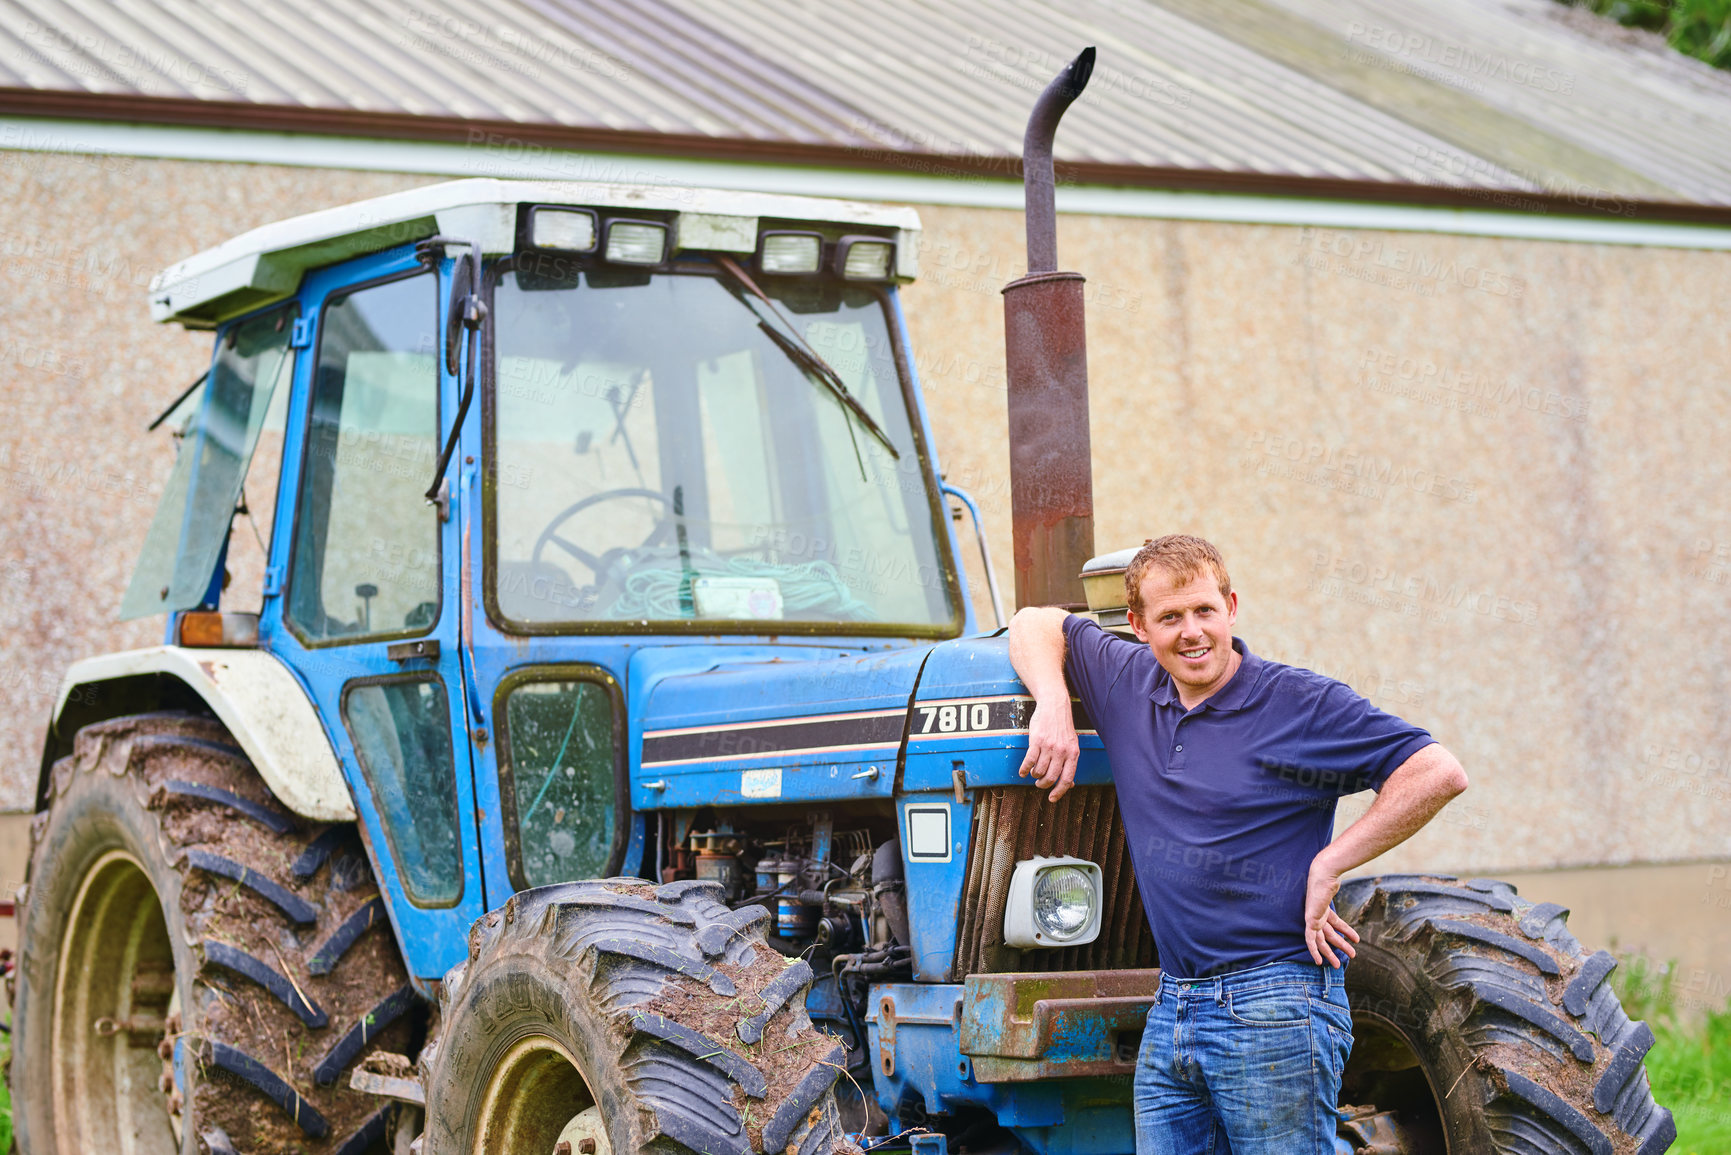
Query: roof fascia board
<point>913,186</point>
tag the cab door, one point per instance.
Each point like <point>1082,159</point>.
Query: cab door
<point>362,595</point>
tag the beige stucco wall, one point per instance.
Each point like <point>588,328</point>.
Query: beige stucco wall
<point>84,371</point>
<point>1482,480</point>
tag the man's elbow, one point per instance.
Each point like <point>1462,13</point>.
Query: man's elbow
<point>1454,775</point>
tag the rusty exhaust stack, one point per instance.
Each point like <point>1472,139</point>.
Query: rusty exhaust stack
<point>1046,361</point>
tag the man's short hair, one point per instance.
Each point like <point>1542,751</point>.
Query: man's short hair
<point>1182,557</point>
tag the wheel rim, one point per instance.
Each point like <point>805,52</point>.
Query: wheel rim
<point>1386,1069</point>
<point>111,1001</point>
<point>534,1090</point>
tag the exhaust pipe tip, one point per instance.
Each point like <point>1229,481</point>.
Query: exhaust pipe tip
<point>1039,206</point>
<point>1076,76</point>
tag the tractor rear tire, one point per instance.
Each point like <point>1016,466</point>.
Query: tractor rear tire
<point>658,1005</point>
<point>199,969</point>
<point>1485,1026</point>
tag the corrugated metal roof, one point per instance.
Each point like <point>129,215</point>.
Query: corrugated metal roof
<point>1459,95</point>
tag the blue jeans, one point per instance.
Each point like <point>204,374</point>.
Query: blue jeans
<point>1247,1063</point>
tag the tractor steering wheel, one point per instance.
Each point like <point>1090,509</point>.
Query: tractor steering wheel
<point>601,565</point>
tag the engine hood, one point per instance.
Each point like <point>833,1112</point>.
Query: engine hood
<point>797,726</point>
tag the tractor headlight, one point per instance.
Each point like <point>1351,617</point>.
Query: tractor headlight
<point>1064,902</point>
<point>1053,902</point>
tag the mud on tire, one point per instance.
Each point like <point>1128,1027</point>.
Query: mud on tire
<point>198,903</point>
<point>658,1005</point>
<point>1480,1018</point>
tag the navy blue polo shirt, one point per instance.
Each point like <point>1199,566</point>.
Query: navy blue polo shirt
<point>1225,805</point>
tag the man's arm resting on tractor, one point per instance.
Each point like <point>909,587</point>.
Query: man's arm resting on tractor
<point>1037,653</point>
<point>1411,797</point>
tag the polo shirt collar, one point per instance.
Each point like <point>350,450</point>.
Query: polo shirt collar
<point>1235,694</point>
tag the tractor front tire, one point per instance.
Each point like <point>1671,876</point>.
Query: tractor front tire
<point>199,971</point>
<point>1482,1023</point>
<point>656,1012</point>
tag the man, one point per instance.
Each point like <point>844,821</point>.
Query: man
<point>1228,768</point>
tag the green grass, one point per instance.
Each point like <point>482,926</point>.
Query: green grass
<point>1690,1063</point>
<point>5,1095</point>
<point>1699,28</point>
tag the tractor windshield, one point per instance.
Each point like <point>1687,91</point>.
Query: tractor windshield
<point>663,452</point>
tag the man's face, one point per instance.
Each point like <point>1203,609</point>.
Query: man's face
<point>1189,628</point>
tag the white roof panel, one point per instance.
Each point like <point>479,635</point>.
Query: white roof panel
<point>250,270</point>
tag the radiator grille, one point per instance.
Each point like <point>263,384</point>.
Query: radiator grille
<point>1012,823</point>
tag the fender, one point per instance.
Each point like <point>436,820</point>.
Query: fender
<point>250,691</point>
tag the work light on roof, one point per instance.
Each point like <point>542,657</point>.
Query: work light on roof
<point>864,258</point>
<point>636,242</point>
<point>568,230</point>
<point>790,254</point>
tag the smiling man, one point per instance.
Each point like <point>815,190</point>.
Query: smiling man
<point>1228,768</point>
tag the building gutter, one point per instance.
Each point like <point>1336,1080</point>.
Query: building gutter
<point>881,175</point>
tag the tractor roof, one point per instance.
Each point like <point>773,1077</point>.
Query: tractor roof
<point>266,264</point>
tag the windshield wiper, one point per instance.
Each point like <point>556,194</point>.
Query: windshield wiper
<point>789,341</point>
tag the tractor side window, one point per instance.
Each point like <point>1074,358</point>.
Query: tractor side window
<point>401,728</point>
<point>192,522</point>
<point>366,556</point>
<point>255,515</point>
<point>561,759</point>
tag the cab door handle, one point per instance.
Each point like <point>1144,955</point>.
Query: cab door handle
<point>427,648</point>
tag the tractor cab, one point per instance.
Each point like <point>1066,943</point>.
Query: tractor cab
<point>466,454</point>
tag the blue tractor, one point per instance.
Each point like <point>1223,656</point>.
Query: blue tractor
<point>616,763</point>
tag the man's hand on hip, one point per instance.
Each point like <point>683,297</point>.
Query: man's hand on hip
<point>1052,747</point>
<point>1323,928</point>
<point>1409,798</point>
